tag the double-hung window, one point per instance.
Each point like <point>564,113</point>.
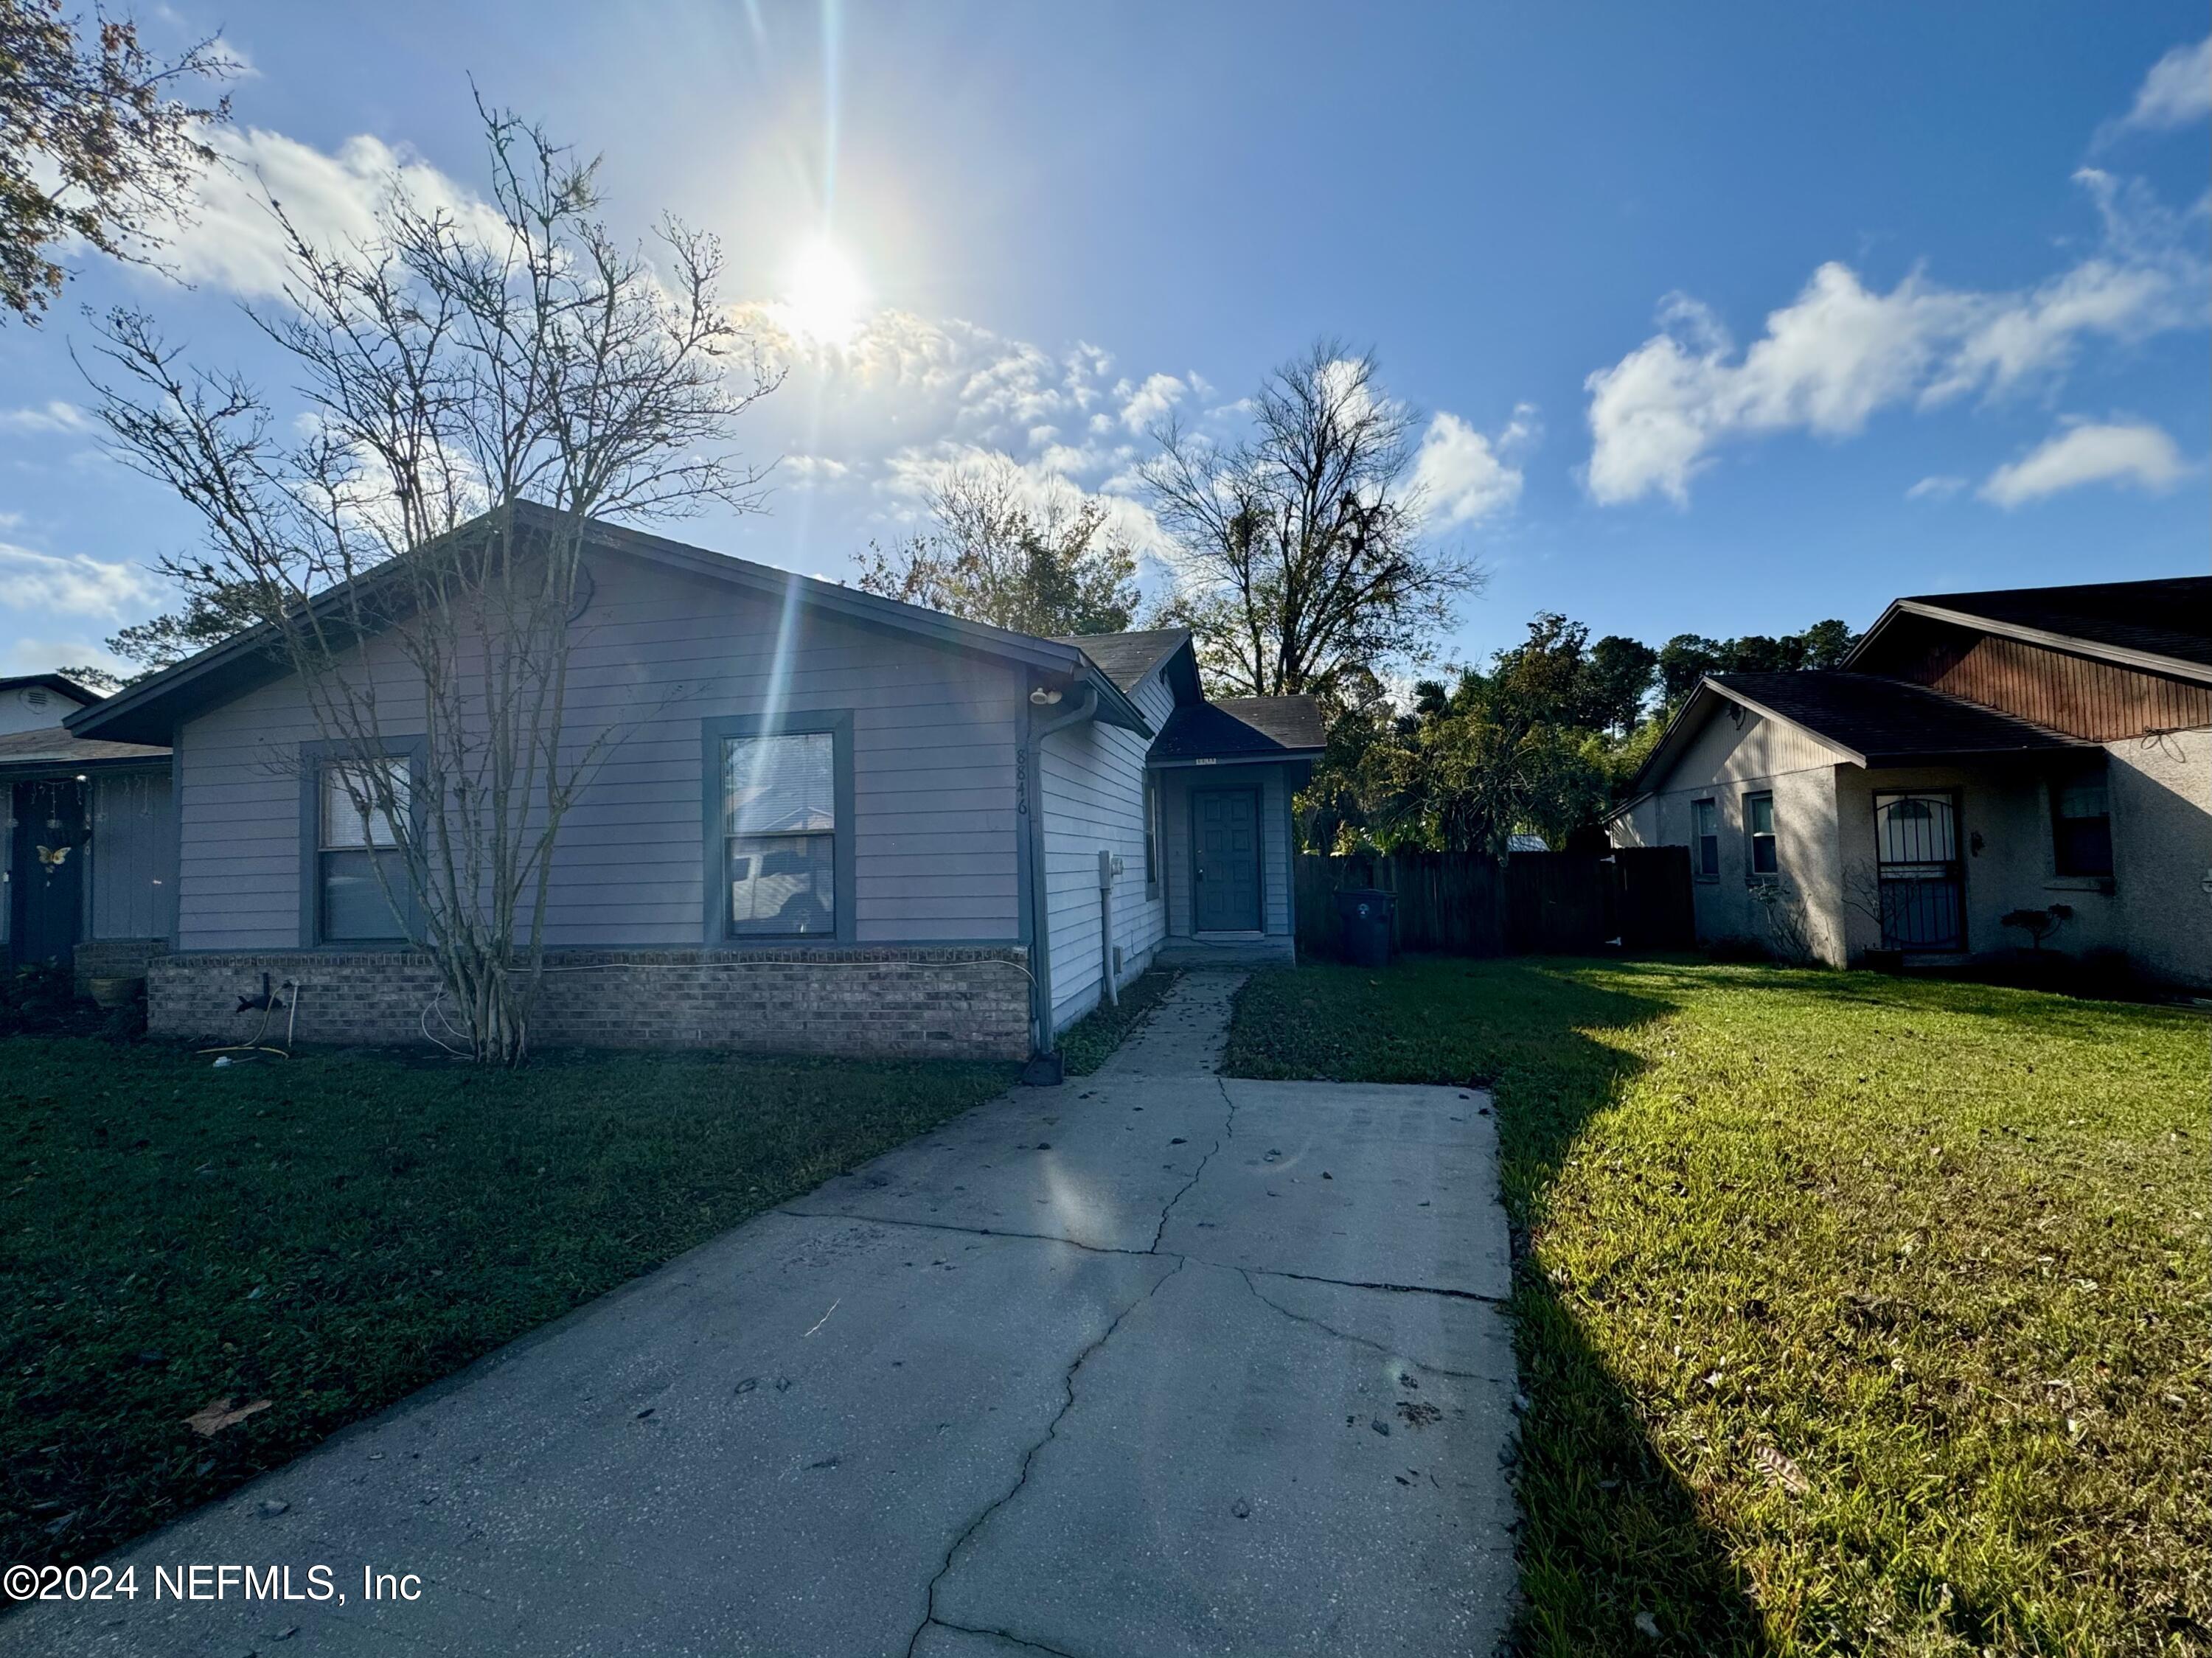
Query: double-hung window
<point>361,872</point>
<point>1758,829</point>
<point>779,833</point>
<point>1705,838</point>
<point>2081,825</point>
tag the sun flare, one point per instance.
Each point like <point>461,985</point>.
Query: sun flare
<point>825,301</point>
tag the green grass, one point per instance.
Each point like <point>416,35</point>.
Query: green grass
<point>1087,1043</point>
<point>330,1232</point>
<point>1859,1314</point>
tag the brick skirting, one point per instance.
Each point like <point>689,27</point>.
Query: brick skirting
<point>898,1001</point>
<point>114,958</point>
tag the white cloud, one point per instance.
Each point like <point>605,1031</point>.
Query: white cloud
<point>2177,91</point>
<point>912,475</point>
<point>1942,487</point>
<point>1841,352</point>
<point>2137,453</point>
<point>1143,408</point>
<point>1463,475</point>
<point>233,241</point>
<point>54,416</point>
<point>804,470</point>
<point>70,586</point>
<point>23,656</point>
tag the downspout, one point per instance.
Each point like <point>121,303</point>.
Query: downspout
<point>1086,707</point>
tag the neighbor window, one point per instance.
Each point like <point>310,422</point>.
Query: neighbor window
<point>1705,833</point>
<point>359,851</point>
<point>2081,825</point>
<point>780,835</point>
<point>1152,835</point>
<point>1759,829</point>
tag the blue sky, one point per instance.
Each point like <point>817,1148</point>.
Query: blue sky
<point>1717,318</point>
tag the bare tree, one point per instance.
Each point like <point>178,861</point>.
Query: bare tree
<point>477,390</point>
<point>1301,551</point>
<point>93,142</point>
<point>1036,557</point>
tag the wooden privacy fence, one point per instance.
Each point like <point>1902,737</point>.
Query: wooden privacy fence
<point>1536,903</point>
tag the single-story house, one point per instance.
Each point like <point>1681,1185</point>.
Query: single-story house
<point>1977,755</point>
<point>828,822</point>
<point>87,871</point>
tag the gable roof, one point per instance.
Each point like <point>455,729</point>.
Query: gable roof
<point>1243,728</point>
<point>50,682</point>
<point>1126,658</point>
<point>2164,625</point>
<point>150,710</point>
<point>1888,722</point>
<point>1867,719</point>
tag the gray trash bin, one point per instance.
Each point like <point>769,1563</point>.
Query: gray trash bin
<point>1365,912</point>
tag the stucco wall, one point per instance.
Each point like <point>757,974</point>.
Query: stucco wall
<point>2160,790</point>
<point>1725,763</point>
<point>2155,908</point>
<point>2004,827</point>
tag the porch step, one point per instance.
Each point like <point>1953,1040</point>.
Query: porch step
<point>1226,952</point>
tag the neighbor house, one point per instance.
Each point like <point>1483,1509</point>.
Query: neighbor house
<point>829,821</point>
<point>89,825</point>
<point>2046,751</point>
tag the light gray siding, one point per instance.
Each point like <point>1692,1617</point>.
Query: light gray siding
<point>657,652</point>
<point>1091,788</point>
<point>35,708</point>
<point>133,850</point>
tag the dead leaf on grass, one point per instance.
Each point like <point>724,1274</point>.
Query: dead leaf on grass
<point>1784,1472</point>
<point>212,1417</point>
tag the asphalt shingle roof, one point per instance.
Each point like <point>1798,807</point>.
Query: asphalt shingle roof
<point>1888,720</point>
<point>2171,617</point>
<point>1243,726</point>
<point>1126,658</point>
<point>52,745</point>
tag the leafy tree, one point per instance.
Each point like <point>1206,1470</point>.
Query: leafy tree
<point>1827,643</point>
<point>1300,546</point>
<point>92,144</point>
<point>1684,660</point>
<point>1038,560</point>
<point>1538,743</point>
<point>1333,810</point>
<point>1688,658</point>
<point>1504,751</point>
<point>1619,676</point>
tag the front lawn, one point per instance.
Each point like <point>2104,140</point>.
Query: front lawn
<point>1859,1314</point>
<point>329,1232</point>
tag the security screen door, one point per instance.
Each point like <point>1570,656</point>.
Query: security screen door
<point>1921,880</point>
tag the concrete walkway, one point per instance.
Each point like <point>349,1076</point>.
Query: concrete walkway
<point>1155,1362</point>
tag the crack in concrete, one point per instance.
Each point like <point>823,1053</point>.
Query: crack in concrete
<point>1362,1283</point>
<point>1364,1341</point>
<point>1051,1432</point>
<point>970,1231</point>
<point>1228,1131</point>
<point>1009,1638</point>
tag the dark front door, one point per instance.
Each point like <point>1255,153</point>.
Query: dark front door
<point>1225,870</point>
<point>1918,870</point>
<point>45,872</point>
